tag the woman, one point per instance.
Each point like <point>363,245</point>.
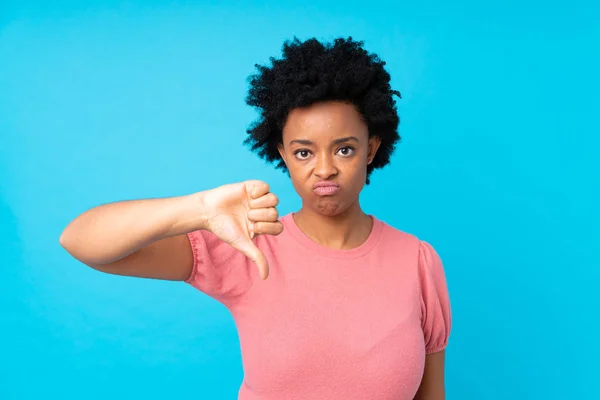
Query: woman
<point>352,308</point>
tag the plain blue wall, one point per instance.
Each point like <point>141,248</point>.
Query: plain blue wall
<point>498,170</point>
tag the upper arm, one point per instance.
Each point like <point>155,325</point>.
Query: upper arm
<point>433,384</point>
<point>435,300</point>
<point>436,322</point>
<point>167,259</point>
<point>199,258</point>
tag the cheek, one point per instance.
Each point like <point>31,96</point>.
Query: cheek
<point>356,176</point>
<point>299,168</point>
<point>356,167</point>
<point>299,176</point>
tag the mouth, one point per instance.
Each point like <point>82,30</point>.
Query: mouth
<point>326,188</point>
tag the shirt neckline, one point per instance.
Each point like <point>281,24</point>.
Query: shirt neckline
<point>299,235</point>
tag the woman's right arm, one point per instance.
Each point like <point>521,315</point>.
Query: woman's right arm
<point>142,238</point>
<point>148,238</point>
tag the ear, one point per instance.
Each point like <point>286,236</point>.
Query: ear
<point>281,152</point>
<point>374,143</point>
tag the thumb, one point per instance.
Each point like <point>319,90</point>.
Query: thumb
<point>247,247</point>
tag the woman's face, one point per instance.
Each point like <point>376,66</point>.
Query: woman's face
<point>326,147</point>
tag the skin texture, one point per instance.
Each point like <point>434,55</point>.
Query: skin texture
<point>241,211</point>
<point>432,385</point>
<point>152,233</point>
<point>329,141</point>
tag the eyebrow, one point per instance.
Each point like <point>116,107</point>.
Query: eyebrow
<point>336,141</point>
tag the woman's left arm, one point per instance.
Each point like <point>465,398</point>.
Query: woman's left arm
<point>432,385</point>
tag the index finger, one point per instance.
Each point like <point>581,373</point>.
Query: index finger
<point>257,188</point>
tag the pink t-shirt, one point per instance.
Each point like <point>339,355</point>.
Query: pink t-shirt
<point>330,324</point>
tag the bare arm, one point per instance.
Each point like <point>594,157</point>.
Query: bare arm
<point>432,385</point>
<point>143,238</point>
<point>148,238</point>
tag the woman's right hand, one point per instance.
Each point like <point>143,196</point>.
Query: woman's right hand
<point>236,212</point>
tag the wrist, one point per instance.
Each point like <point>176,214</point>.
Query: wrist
<point>190,215</point>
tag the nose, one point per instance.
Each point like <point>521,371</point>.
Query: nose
<point>325,166</point>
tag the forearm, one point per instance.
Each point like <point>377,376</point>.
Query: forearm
<point>110,232</point>
<point>432,385</point>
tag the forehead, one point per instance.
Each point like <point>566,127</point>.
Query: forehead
<point>325,120</point>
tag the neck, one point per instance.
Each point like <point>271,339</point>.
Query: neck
<point>343,231</point>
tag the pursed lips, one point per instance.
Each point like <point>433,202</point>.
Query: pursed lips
<point>325,188</point>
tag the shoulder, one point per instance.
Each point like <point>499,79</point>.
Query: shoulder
<point>424,253</point>
<point>399,239</point>
<point>392,233</point>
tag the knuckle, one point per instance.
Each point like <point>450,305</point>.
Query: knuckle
<point>262,185</point>
<point>273,198</point>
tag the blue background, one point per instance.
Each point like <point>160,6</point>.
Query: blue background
<point>498,170</point>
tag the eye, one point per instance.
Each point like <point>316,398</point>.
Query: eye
<point>346,151</point>
<point>302,154</point>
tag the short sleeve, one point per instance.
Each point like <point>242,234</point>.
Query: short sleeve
<point>219,270</point>
<point>435,300</point>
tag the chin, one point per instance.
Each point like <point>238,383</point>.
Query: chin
<point>330,209</point>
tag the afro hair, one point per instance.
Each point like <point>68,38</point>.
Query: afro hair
<point>311,71</point>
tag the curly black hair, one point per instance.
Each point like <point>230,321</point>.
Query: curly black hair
<point>312,71</point>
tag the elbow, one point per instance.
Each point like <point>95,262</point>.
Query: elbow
<point>68,242</point>
<point>80,251</point>
<point>65,240</point>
